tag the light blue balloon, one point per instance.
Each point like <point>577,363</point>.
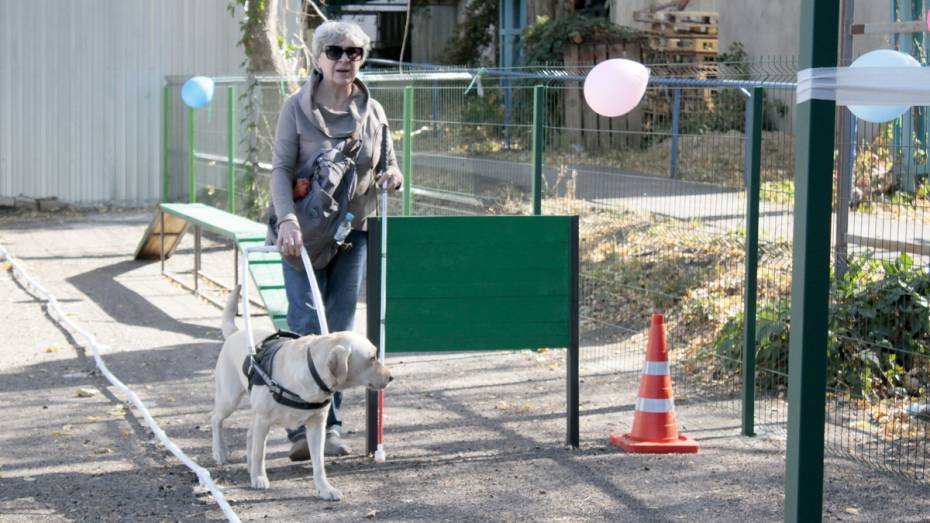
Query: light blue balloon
<point>882,58</point>
<point>197,92</point>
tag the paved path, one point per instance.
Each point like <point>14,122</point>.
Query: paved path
<point>471,437</point>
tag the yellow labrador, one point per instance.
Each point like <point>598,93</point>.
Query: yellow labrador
<point>341,360</point>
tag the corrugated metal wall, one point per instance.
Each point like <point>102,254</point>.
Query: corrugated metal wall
<point>81,89</point>
<point>431,28</point>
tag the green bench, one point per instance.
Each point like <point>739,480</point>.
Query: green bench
<point>172,221</point>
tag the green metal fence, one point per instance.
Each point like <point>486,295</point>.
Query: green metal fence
<point>685,207</point>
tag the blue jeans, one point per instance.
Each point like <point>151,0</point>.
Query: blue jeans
<point>340,283</point>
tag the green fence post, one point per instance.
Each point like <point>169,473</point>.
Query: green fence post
<point>191,175</point>
<point>165,123</point>
<point>408,147</point>
<point>676,117</point>
<point>231,148</point>
<point>753,164</point>
<point>810,276</point>
<point>538,95</point>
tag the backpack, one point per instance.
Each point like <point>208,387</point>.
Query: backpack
<point>331,177</point>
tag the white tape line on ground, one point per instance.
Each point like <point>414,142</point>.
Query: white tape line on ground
<point>56,313</point>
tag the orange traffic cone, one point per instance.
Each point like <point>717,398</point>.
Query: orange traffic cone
<point>654,428</point>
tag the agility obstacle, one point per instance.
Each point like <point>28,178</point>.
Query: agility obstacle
<point>173,220</point>
<point>477,283</point>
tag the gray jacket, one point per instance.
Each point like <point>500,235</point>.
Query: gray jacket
<point>303,129</point>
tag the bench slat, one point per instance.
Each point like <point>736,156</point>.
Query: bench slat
<point>216,220</point>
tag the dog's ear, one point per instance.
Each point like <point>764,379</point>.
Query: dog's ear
<point>339,362</point>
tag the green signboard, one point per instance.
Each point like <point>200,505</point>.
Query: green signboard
<point>478,283</point>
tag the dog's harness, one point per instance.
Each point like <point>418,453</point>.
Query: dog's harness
<point>254,369</point>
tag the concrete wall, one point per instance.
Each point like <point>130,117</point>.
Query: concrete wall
<point>621,11</point>
<point>770,28</point>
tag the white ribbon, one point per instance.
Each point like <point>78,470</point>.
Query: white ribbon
<point>865,85</point>
<point>54,310</point>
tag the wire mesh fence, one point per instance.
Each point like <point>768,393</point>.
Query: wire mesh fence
<point>662,198</point>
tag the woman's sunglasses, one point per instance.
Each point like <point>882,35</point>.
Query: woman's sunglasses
<point>334,52</point>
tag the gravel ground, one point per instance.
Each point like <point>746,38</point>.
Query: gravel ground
<point>469,436</point>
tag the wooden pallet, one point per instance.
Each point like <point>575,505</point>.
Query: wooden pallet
<point>707,71</point>
<point>688,17</point>
<point>670,29</point>
<point>678,45</point>
<point>687,57</point>
<point>586,128</point>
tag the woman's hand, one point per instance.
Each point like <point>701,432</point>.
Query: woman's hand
<point>391,179</point>
<point>289,238</point>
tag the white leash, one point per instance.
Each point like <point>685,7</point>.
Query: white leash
<point>314,288</point>
<point>55,312</point>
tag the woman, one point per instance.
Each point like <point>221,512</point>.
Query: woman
<point>332,105</point>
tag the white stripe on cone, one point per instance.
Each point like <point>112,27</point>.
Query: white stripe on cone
<point>654,405</point>
<point>655,368</point>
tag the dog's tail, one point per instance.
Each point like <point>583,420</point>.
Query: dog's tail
<point>229,312</point>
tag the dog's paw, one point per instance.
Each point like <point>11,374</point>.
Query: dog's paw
<point>261,483</point>
<point>330,494</point>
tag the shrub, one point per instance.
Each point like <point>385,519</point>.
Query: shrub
<point>879,343</point>
<point>544,38</point>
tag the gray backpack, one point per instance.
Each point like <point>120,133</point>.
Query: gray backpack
<point>332,181</point>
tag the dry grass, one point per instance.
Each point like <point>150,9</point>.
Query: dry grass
<point>634,263</point>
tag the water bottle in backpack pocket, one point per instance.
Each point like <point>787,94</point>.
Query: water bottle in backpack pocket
<point>342,232</point>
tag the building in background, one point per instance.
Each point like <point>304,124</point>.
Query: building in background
<point>762,26</point>
<point>81,83</point>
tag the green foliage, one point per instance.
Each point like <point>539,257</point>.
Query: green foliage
<point>728,111</point>
<point>891,312</point>
<point>289,51</point>
<point>475,35</point>
<point>879,327</point>
<point>543,39</point>
<point>772,326</point>
<point>918,198</point>
<point>255,13</point>
<point>483,131</point>
<point>485,113</point>
<point>778,191</point>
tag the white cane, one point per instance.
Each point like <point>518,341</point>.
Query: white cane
<point>379,453</point>
<point>385,136</point>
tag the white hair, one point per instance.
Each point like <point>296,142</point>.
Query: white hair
<point>334,32</point>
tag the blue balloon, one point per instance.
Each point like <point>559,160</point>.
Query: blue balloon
<point>882,58</point>
<point>197,92</point>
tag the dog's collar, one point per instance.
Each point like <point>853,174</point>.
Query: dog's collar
<point>316,375</point>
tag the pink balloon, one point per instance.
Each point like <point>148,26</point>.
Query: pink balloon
<point>615,87</point>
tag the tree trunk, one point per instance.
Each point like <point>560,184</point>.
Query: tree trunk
<point>310,19</point>
<point>261,41</point>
